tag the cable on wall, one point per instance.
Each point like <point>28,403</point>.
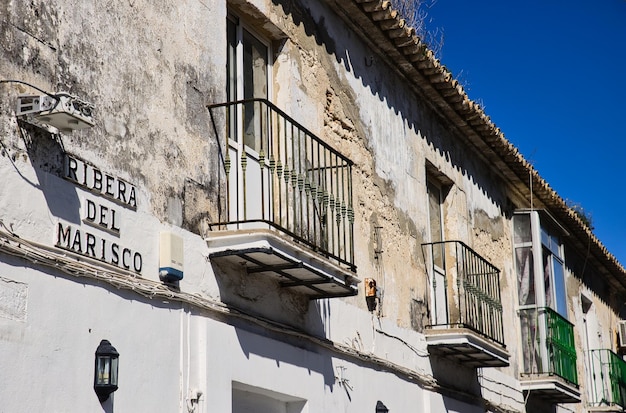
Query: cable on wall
<point>56,97</point>
<point>80,266</point>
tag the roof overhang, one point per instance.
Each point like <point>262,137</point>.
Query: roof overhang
<point>384,29</point>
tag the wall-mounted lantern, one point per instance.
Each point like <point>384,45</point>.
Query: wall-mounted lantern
<point>381,408</point>
<point>105,375</point>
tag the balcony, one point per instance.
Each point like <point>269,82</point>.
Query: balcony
<point>286,196</point>
<point>549,356</point>
<point>607,382</point>
<point>466,309</point>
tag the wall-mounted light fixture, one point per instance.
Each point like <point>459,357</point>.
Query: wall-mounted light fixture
<point>106,368</point>
<point>381,408</point>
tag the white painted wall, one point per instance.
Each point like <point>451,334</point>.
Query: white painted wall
<point>151,69</point>
<point>48,358</point>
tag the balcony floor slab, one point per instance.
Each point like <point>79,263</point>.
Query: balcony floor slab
<point>605,409</point>
<point>466,347</point>
<point>550,387</point>
<point>265,252</point>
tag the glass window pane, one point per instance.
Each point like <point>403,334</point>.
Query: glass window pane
<point>254,86</point>
<point>531,341</point>
<point>114,367</point>
<point>522,229</point>
<point>434,211</point>
<point>550,240</point>
<point>545,237</point>
<point>231,61</point>
<point>254,67</point>
<point>231,82</point>
<point>525,275</point>
<point>559,287</point>
<point>555,245</point>
<point>547,277</point>
<point>103,370</point>
<point>434,215</point>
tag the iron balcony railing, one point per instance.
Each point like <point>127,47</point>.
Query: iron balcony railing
<point>607,381</point>
<point>280,174</point>
<point>465,289</point>
<point>548,344</point>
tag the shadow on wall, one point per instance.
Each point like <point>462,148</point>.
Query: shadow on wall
<point>319,318</point>
<point>455,406</point>
<point>282,320</point>
<point>419,119</point>
<point>455,376</point>
<point>286,351</point>
<point>537,404</point>
<point>46,154</point>
<point>584,268</point>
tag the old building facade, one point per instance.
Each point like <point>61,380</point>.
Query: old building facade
<point>279,206</point>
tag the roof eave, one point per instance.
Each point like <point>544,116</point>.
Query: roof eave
<point>384,29</point>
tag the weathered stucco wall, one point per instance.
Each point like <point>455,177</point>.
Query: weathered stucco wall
<point>150,70</point>
<point>354,101</point>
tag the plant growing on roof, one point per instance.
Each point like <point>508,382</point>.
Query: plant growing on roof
<point>416,16</point>
<point>584,215</point>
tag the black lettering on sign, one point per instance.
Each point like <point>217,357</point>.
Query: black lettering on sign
<point>101,216</point>
<point>90,245</point>
<point>106,185</point>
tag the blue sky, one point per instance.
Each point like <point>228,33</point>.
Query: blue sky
<point>552,76</point>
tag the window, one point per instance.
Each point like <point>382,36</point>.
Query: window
<point>536,237</point>
<point>251,399</point>
<point>247,68</point>
<point>438,281</point>
<point>556,296</point>
<point>279,175</point>
<point>435,218</point>
<point>547,336</point>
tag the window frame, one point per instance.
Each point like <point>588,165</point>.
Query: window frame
<point>545,231</point>
<point>241,28</point>
<point>546,247</point>
<point>438,277</point>
<point>440,199</point>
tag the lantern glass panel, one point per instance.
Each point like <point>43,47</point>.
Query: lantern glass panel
<point>114,365</point>
<point>103,370</point>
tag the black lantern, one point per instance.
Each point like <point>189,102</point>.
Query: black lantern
<point>381,408</point>
<point>105,375</point>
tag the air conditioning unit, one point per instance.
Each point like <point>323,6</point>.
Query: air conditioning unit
<point>27,104</point>
<point>621,336</point>
<point>62,111</point>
